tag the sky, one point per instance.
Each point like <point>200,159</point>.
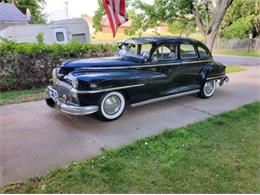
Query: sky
<point>55,9</point>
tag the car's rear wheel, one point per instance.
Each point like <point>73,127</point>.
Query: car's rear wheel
<point>207,89</point>
<point>111,106</point>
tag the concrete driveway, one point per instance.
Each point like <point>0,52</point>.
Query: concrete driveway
<point>35,138</point>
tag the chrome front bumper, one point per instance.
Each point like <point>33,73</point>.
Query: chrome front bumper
<point>223,79</point>
<point>57,103</point>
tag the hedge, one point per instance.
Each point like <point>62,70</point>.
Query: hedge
<point>28,65</point>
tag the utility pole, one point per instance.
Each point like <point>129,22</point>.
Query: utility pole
<point>67,9</point>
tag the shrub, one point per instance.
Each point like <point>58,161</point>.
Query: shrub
<point>23,66</point>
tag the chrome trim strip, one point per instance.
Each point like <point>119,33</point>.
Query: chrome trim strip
<point>164,98</point>
<point>141,66</point>
<point>105,90</point>
<point>217,77</point>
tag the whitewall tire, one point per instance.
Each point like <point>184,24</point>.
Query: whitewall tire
<point>111,106</point>
<point>208,89</point>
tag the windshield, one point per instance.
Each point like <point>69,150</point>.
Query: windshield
<point>135,50</point>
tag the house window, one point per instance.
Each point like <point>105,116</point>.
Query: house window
<point>187,51</point>
<point>80,37</point>
<point>60,37</point>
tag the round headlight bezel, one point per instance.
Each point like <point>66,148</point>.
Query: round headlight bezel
<point>74,82</point>
<point>54,73</point>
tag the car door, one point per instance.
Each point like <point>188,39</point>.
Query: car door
<point>190,66</point>
<point>164,61</point>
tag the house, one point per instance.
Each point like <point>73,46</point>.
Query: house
<point>10,15</point>
<point>163,28</point>
<point>62,32</point>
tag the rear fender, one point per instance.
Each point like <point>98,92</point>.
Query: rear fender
<point>213,69</point>
<point>204,73</point>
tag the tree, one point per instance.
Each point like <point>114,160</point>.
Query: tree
<point>241,20</point>
<point>35,7</point>
<point>207,14</point>
<point>99,13</point>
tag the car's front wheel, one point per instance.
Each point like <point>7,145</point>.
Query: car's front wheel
<point>111,106</point>
<point>207,89</point>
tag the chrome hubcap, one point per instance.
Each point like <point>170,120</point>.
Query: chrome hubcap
<point>112,104</point>
<point>209,87</point>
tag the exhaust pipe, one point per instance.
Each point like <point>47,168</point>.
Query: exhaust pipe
<point>50,102</point>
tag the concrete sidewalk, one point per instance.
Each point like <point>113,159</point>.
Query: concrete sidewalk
<point>35,138</point>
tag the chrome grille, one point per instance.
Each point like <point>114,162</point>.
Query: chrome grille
<point>64,88</point>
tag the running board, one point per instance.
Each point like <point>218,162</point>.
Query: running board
<point>164,98</point>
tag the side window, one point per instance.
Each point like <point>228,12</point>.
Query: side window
<point>187,51</point>
<point>203,53</point>
<point>165,52</point>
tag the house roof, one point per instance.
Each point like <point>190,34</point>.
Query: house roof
<point>88,19</point>
<point>9,12</point>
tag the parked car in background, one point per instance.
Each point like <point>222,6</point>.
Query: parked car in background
<point>147,69</point>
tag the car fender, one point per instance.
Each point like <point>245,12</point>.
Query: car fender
<point>211,70</point>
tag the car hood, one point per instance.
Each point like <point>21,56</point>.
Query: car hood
<point>98,62</point>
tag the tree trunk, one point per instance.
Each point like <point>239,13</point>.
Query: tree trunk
<point>210,39</point>
<point>209,30</point>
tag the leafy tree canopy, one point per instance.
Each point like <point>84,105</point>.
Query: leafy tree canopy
<point>242,18</point>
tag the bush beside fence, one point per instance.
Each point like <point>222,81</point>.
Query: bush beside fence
<point>23,66</point>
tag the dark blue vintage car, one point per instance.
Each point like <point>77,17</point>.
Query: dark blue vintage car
<point>146,70</point>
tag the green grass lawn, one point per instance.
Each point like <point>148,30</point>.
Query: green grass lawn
<point>217,155</point>
<point>12,97</point>
<point>232,68</point>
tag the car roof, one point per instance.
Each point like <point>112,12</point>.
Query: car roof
<point>159,39</point>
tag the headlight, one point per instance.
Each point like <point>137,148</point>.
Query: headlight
<point>55,75</point>
<point>74,82</point>
<point>55,72</point>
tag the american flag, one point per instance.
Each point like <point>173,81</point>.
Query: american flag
<point>116,12</point>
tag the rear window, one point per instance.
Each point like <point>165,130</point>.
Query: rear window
<point>203,53</point>
<point>187,51</point>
